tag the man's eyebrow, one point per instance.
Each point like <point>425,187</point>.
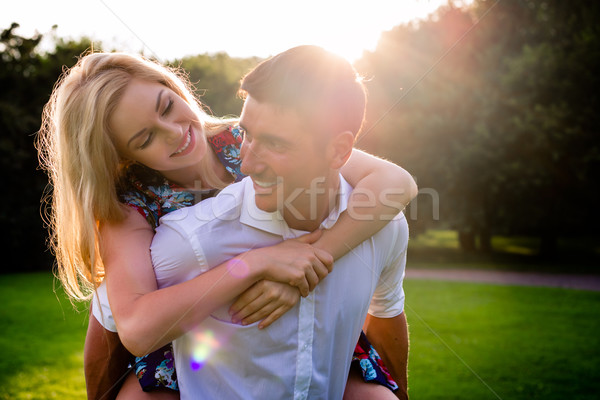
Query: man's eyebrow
<point>158,100</point>
<point>274,138</point>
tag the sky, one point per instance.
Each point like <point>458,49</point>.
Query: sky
<point>173,29</point>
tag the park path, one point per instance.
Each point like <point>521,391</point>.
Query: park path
<point>569,281</point>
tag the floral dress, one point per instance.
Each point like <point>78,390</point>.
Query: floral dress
<point>157,369</point>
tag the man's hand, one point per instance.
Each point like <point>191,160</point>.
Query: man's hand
<point>266,301</point>
<point>294,261</point>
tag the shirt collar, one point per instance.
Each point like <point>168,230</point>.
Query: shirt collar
<point>273,222</point>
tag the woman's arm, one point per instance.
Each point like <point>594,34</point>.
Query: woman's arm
<point>148,318</point>
<point>381,190</point>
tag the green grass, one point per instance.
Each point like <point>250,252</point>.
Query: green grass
<point>468,341</point>
<point>42,340</point>
<point>481,341</point>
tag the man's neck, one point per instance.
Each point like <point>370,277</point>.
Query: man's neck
<point>313,207</point>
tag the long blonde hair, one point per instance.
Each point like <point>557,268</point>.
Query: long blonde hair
<point>82,163</point>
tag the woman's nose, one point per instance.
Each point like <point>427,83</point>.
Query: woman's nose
<point>173,133</point>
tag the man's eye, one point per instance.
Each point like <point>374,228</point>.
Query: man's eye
<point>275,145</point>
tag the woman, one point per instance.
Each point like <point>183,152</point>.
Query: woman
<point>98,165</point>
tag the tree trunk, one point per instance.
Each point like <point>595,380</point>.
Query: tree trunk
<point>548,245</point>
<point>485,241</point>
<point>466,240</point>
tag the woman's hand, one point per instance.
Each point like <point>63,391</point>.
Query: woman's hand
<point>294,261</point>
<point>266,301</point>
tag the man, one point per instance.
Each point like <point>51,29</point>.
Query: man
<point>302,111</point>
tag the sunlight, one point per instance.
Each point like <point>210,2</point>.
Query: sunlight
<point>242,29</point>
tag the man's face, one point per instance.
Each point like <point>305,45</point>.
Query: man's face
<point>280,155</point>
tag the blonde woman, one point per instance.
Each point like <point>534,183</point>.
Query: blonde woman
<point>124,141</point>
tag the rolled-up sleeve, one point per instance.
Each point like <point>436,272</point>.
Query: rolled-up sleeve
<point>388,298</point>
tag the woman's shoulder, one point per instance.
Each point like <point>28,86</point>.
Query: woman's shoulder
<point>229,136</point>
<point>227,145</point>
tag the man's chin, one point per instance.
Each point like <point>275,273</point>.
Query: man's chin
<point>264,204</point>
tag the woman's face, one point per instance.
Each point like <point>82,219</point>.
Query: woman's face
<point>155,127</point>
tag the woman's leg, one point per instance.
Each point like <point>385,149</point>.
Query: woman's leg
<point>131,390</point>
<point>105,361</point>
<point>358,389</point>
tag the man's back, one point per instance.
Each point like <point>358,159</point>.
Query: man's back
<point>307,352</point>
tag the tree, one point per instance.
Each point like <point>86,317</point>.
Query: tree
<point>26,78</point>
<point>504,126</point>
<point>217,79</point>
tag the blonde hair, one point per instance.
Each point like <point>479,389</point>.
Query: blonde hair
<point>75,149</point>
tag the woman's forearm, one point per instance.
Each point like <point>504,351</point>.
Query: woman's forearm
<point>148,318</point>
<point>381,191</point>
<point>174,310</point>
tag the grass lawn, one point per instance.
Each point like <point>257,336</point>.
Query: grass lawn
<point>482,341</point>
<point>42,340</point>
<point>468,341</point>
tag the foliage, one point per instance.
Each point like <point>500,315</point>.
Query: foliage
<point>502,123</point>
<point>492,107</point>
<point>217,79</point>
<point>26,78</point>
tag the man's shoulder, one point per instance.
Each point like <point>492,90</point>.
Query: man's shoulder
<point>223,208</point>
<point>394,235</point>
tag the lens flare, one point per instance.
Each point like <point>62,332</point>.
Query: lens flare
<point>238,268</point>
<point>204,345</point>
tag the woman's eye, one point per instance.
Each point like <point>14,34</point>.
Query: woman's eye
<point>168,108</point>
<point>147,141</point>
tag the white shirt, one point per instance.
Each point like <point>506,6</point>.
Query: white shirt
<point>101,308</point>
<point>307,352</point>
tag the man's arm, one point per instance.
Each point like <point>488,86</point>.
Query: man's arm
<point>105,362</point>
<point>389,336</point>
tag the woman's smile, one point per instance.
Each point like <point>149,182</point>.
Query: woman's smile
<point>187,144</point>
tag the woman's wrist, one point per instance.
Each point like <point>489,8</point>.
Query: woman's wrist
<point>251,264</point>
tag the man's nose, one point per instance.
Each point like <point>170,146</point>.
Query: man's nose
<point>251,160</point>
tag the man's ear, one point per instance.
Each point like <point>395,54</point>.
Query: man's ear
<point>339,149</point>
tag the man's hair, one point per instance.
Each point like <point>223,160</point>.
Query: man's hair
<point>320,86</point>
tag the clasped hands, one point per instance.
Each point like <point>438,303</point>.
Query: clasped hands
<point>291,269</point>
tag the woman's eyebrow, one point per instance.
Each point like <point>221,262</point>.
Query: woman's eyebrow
<point>158,100</point>
<point>138,134</point>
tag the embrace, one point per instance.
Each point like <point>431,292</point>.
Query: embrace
<point>253,258</point>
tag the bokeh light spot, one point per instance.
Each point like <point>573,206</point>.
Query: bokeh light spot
<point>204,345</point>
<point>238,268</point>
